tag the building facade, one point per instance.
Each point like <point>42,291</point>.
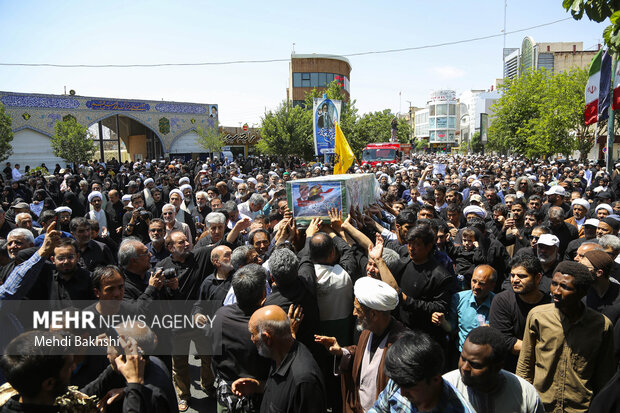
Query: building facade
<point>126,129</point>
<point>316,71</point>
<point>474,111</point>
<point>437,122</point>
<point>555,57</point>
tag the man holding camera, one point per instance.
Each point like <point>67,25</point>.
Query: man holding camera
<point>190,267</point>
<point>136,222</point>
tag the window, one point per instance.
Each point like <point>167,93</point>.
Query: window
<point>431,122</point>
<point>452,109</point>
<point>441,110</point>
<point>431,110</point>
<point>329,77</point>
<point>322,79</point>
<point>296,79</point>
<point>451,122</point>
<point>305,83</point>
<point>305,76</point>
<point>442,122</point>
<point>314,79</point>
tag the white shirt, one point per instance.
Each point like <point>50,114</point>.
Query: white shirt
<point>16,174</point>
<point>515,396</point>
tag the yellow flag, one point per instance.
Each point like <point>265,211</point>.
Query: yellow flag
<point>344,155</point>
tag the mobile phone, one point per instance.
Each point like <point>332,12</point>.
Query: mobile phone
<point>511,215</point>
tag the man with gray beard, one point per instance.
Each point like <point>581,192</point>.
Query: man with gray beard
<point>363,374</point>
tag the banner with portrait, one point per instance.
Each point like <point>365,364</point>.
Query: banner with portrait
<point>324,113</point>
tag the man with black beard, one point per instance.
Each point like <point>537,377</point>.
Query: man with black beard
<point>509,308</point>
<point>481,379</point>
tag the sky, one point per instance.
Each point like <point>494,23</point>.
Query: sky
<point>181,31</point>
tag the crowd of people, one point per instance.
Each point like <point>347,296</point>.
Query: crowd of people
<point>472,284</point>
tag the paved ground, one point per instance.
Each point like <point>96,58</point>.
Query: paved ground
<point>200,402</point>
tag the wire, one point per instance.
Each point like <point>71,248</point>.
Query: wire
<point>234,62</point>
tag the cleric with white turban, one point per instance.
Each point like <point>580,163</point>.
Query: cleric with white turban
<point>375,294</point>
<point>475,209</point>
<point>580,201</point>
<point>94,194</point>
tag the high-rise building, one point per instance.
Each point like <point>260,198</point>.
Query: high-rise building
<point>316,71</point>
<point>556,57</point>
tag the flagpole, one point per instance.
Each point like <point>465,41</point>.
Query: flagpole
<point>610,124</point>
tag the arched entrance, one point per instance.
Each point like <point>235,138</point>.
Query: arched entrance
<point>125,138</point>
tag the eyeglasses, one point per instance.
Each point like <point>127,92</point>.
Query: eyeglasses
<point>534,237</point>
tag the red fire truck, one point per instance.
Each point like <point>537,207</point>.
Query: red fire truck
<point>375,153</point>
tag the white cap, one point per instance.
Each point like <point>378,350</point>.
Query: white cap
<point>556,190</point>
<point>549,239</point>
<point>592,221</point>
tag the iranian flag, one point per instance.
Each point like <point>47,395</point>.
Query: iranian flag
<point>592,89</point>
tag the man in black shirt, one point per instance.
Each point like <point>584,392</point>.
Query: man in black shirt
<point>157,246</point>
<point>136,222</point>
<point>238,356</point>
<point>426,286</point>
<point>295,382</point>
<point>290,289</point>
<point>5,226</point>
<point>509,308</point>
<point>92,253</point>
<point>114,209</point>
<point>191,268</point>
<point>69,282</point>
<point>603,293</point>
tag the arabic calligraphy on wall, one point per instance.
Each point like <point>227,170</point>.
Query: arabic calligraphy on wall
<point>40,102</point>
<point>180,108</point>
<point>121,105</point>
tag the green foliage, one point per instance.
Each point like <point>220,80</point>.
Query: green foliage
<point>211,139</point>
<point>6,135</point>
<point>287,131</point>
<point>539,113</point>
<point>599,11</point>
<point>475,144</point>
<point>73,142</point>
<point>421,144</point>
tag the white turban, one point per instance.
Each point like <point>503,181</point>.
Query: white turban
<point>237,180</point>
<point>375,294</point>
<point>582,202</point>
<point>252,181</point>
<point>126,198</point>
<point>94,194</point>
<point>63,209</point>
<point>476,210</point>
<point>184,180</point>
<point>177,191</point>
<point>604,206</point>
<point>149,181</point>
<point>185,186</point>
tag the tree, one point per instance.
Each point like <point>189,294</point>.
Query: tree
<point>599,11</point>
<point>287,131</point>
<point>475,143</point>
<point>377,127</point>
<point>514,110</point>
<point>73,142</point>
<point>6,135</point>
<point>211,139</point>
<point>540,114</point>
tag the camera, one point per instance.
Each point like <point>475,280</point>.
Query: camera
<point>144,214</point>
<point>169,273</point>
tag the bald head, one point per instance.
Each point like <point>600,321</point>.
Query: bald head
<point>269,313</point>
<point>486,271</point>
<point>270,330</point>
